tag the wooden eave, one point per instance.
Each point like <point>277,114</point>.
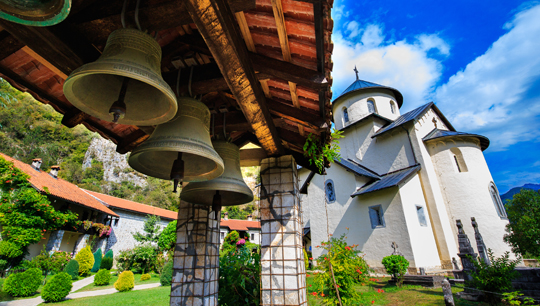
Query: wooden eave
<point>280,51</point>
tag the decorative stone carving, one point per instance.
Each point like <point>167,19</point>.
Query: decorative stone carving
<point>465,250</point>
<point>482,250</point>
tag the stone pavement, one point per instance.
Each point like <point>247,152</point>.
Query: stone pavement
<point>76,286</point>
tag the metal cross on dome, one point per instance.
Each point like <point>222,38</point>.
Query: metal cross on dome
<point>356,71</point>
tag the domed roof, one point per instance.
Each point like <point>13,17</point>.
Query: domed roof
<point>361,85</point>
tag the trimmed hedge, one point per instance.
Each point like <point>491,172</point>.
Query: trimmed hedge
<point>9,249</point>
<point>72,268</point>
<point>166,274</point>
<point>57,288</point>
<point>109,254</point>
<point>85,259</point>
<point>23,284</point>
<point>97,260</point>
<point>145,277</point>
<point>125,282</point>
<point>102,278</point>
<point>106,263</point>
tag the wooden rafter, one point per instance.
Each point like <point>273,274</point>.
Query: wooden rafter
<point>215,22</point>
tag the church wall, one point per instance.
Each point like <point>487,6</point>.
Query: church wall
<point>438,213</point>
<point>466,194</point>
<point>423,243</point>
<point>357,108</point>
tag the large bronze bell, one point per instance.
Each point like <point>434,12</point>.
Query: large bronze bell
<point>180,149</point>
<point>124,85</point>
<point>228,189</point>
<point>39,13</point>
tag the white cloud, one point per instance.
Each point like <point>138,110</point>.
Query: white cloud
<point>498,94</point>
<point>403,65</point>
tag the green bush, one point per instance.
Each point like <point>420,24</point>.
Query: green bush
<point>349,269</point>
<point>97,260</point>
<point>72,268</point>
<point>23,284</point>
<point>58,261</point>
<point>167,238</point>
<point>145,277</point>
<point>102,278</point>
<point>229,243</point>
<point>125,282</point>
<point>166,274</point>
<point>106,263</point>
<point>397,266</point>
<point>496,277</point>
<point>239,277</point>
<point>57,288</point>
<point>306,259</point>
<point>9,250</point>
<point>109,254</point>
<point>85,258</point>
<point>141,258</point>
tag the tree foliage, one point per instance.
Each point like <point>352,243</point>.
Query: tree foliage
<point>151,230</point>
<point>25,214</point>
<point>523,230</point>
<point>23,284</point>
<point>318,153</point>
<point>239,277</point>
<point>167,238</point>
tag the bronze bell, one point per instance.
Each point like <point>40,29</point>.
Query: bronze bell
<point>228,189</point>
<point>38,13</point>
<point>124,85</point>
<point>180,149</point>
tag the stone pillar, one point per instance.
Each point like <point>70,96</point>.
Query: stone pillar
<point>480,245</point>
<point>55,239</point>
<point>283,275</point>
<point>465,250</point>
<point>81,243</point>
<point>196,256</point>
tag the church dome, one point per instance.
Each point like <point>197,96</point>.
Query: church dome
<point>359,85</point>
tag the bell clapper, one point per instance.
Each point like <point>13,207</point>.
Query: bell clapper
<point>118,109</point>
<point>216,203</point>
<point>177,171</point>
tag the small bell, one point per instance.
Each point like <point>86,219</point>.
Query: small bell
<point>124,85</point>
<point>37,13</point>
<point>181,149</point>
<point>228,189</point>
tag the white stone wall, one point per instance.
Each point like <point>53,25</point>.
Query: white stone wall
<point>357,108</point>
<point>121,237</point>
<point>466,194</point>
<point>256,232</point>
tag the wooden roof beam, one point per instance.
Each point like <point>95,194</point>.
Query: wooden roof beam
<point>215,22</point>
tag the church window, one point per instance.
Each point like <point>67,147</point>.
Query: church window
<point>393,107</point>
<point>371,106</point>
<point>330,191</point>
<point>222,235</point>
<point>459,161</point>
<point>345,115</point>
<point>376,216</point>
<point>497,200</point>
<point>421,215</point>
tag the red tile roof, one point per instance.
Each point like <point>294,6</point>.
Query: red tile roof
<point>57,187</point>
<point>134,206</point>
<point>240,225</point>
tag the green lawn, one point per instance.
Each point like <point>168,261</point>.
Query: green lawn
<point>92,287</point>
<point>408,295</point>
<point>156,297</point>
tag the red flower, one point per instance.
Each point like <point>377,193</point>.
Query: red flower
<point>337,286</point>
<point>310,285</point>
<point>347,248</point>
<point>322,294</point>
<point>325,258</point>
<point>311,258</point>
<point>372,302</point>
<point>357,270</point>
<point>314,293</point>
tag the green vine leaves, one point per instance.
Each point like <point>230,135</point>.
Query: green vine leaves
<point>317,153</point>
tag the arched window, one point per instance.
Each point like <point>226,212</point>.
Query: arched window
<point>497,200</point>
<point>393,107</point>
<point>345,115</point>
<point>458,160</point>
<point>371,106</point>
<point>330,191</point>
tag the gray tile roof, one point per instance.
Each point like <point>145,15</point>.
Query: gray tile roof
<point>437,133</point>
<point>388,180</point>
<point>357,169</point>
<point>407,117</point>
<point>360,84</point>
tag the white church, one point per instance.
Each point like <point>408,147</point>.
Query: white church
<point>404,179</point>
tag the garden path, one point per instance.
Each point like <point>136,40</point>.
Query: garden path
<point>39,300</point>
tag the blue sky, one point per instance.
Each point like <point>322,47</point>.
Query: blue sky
<point>479,61</point>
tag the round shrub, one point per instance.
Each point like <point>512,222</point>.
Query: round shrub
<point>9,249</point>
<point>58,261</point>
<point>106,263</point>
<point>57,288</point>
<point>125,282</point>
<point>72,268</point>
<point>166,274</point>
<point>145,277</point>
<point>85,259</point>
<point>397,266</point>
<point>23,284</point>
<point>97,260</point>
<point>102,278</point>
